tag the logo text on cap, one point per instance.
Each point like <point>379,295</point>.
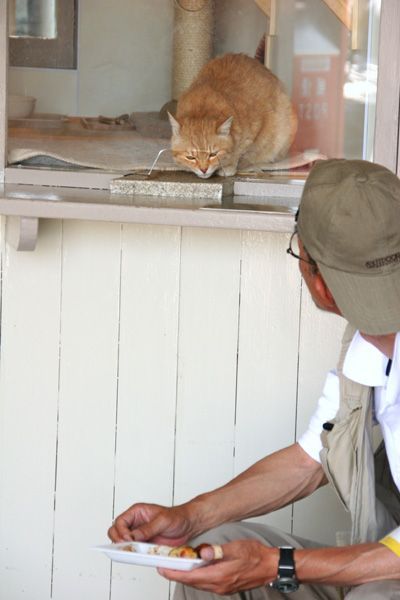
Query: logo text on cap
<point>381,262</point>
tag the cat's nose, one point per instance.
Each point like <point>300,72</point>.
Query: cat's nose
<point>203,169</point>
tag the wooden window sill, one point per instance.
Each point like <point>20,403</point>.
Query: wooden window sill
<point>24,205</point>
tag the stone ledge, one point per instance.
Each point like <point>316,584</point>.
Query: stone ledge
<point>173,184</point>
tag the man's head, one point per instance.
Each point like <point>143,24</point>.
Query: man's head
<point>349,223</point>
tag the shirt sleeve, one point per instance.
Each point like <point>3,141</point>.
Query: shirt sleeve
<point>327,407</point>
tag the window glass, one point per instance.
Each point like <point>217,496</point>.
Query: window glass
<point>136,58</point>
<point>33,18</point>
<point>333,72</point>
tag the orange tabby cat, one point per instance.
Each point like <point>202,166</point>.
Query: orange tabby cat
<point>234,115</point>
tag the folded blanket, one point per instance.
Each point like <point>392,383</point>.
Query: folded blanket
<point>121,152</point>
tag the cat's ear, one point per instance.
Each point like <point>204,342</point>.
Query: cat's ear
<point>174,124</point>
<point>225,128</point>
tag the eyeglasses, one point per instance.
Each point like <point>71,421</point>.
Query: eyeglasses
<point>295,254</point>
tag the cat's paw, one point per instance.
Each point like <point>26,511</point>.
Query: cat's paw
<point>226,171</point>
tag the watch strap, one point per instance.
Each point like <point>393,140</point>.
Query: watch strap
<point>286,580</point>
<point>286,566</point>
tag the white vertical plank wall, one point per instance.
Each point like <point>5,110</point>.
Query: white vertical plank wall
<point>88,385</point>
<point>30,330</point>
<point>208,325</point>
<point>145,442</point>
<point>320,335</point>
<point>143,363</point>
<point>268,343</point>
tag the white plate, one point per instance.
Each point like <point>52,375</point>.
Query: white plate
<point>144,555</point>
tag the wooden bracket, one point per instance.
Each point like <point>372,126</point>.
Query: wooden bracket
<point>341,8</point>
<point>265,6</point>
<point>22,232</point>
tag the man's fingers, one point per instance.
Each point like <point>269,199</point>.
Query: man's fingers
<point>123,529</point>
<point>148,531</point>
<point>120,530</point>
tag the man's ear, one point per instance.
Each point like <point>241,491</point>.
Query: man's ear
<point>324,294</point>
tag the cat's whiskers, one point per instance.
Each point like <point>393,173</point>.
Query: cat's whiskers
<point>156,160</point>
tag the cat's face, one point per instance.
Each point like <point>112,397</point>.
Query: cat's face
<point>202,146</point>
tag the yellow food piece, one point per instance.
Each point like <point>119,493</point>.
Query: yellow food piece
<point>183,552</point>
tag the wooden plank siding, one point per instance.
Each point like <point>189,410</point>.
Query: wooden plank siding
<point>29,396</point>
<point>145,442</point>
<point>143,363</point>
<point>89,326</point>
<point>268,344</point>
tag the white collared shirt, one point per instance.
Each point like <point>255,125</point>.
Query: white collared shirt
<point>367,365</point>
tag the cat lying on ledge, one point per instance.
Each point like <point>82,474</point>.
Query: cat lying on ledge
<point>235,114</point>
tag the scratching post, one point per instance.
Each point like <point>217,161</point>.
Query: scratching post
<point>193,41</point>
<point>192,45</point>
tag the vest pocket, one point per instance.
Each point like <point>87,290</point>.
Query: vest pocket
<point>331,478</point>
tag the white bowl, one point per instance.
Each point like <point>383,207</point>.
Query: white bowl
<point>20,107</point>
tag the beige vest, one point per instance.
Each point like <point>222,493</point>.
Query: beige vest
<point>363,482</point>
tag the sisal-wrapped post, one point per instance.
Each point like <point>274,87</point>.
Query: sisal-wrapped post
<point>193,41</point>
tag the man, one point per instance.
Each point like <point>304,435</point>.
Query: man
<point>348,231</point>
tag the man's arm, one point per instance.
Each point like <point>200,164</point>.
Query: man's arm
<point>248,564</point>
<point>347,565</point>
<point>273,482</point>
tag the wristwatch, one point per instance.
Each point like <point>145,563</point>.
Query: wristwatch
<point>286,580</point>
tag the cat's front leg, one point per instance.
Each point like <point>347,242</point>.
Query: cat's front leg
<point>226,171</point>
<point>229,169</point>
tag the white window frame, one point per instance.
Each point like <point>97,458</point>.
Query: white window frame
<point>386,142</point>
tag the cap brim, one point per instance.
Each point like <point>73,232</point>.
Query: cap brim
<point>371,303</point>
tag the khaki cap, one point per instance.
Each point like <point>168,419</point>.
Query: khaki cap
<point>349,222</point>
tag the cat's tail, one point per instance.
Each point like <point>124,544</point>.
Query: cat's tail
<point>260,51</point>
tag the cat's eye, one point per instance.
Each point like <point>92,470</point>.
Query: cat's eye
<point>191,158</point>
<point>213,154</point>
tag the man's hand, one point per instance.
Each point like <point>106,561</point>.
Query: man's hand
<point>154,523</point>
<point>246,564</point>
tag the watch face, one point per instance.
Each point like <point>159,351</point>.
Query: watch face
<point>285,584</point>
